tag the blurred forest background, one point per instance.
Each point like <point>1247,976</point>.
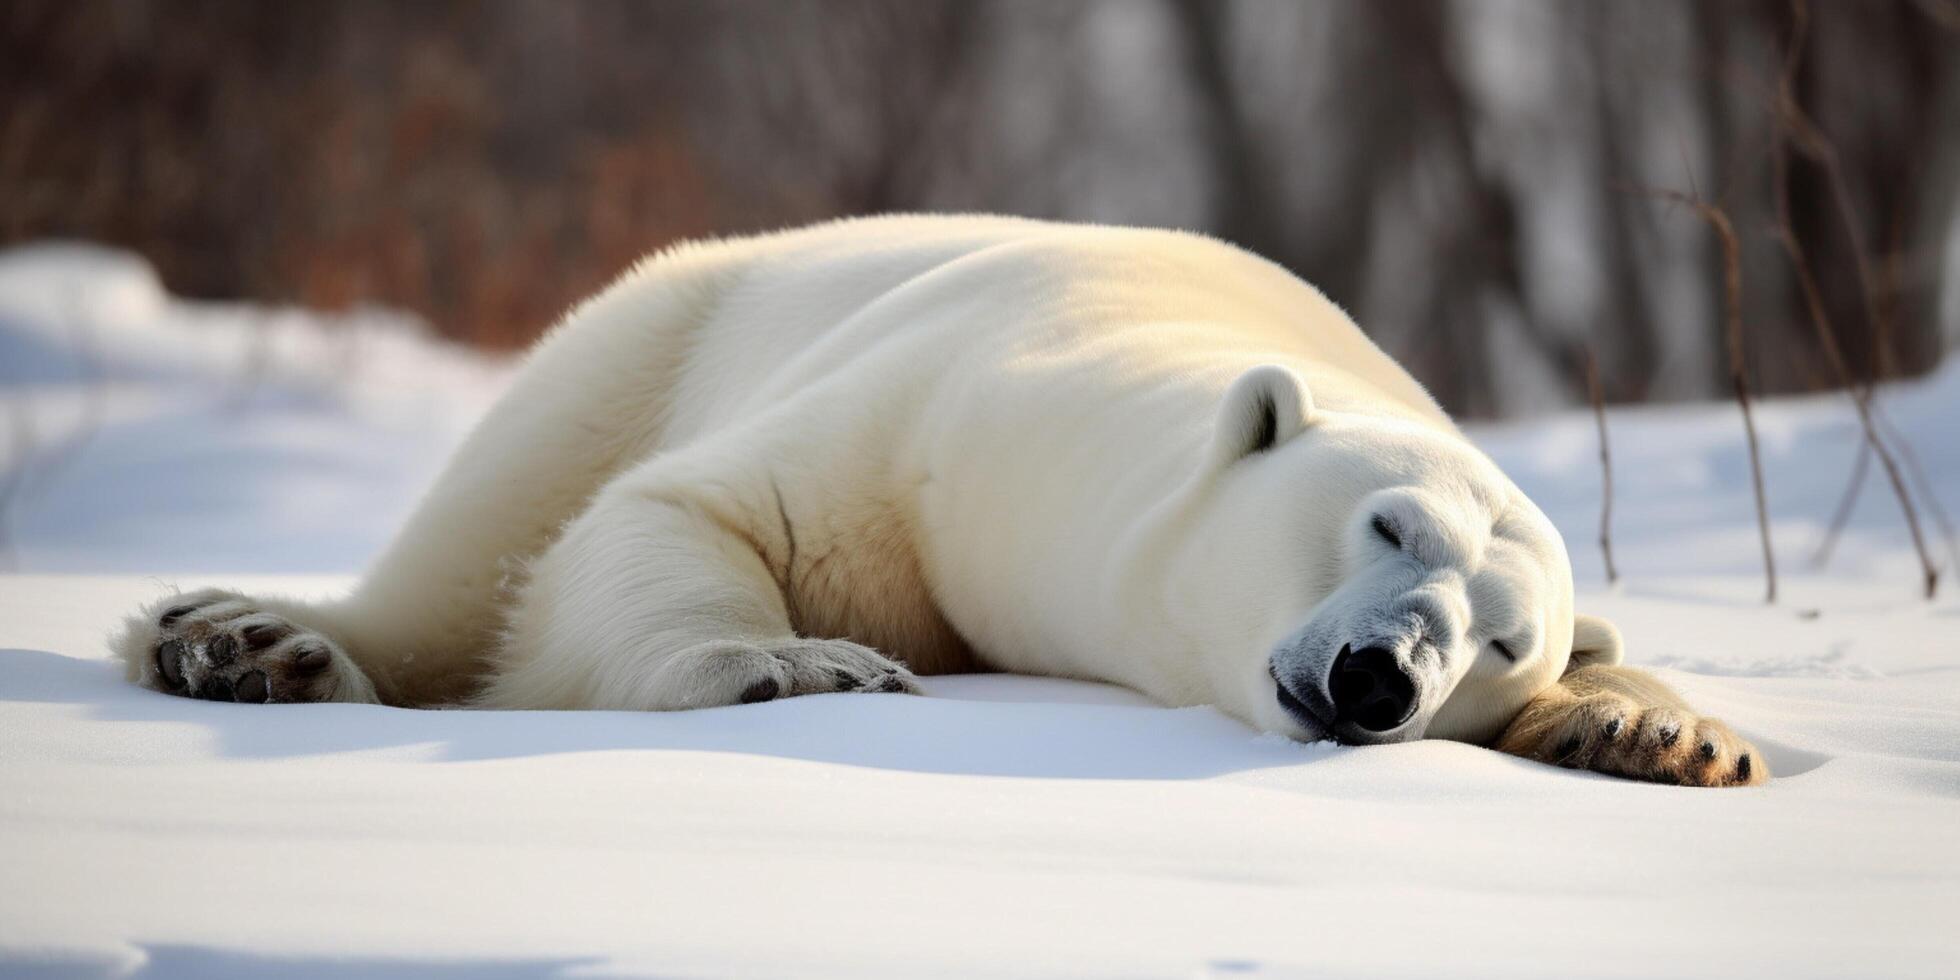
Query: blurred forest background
<point>1479,183</point>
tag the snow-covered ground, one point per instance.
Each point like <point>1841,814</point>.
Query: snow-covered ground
<point>1002,826</point>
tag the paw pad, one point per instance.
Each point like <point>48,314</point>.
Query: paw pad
<point>170,662</point>
<point>263,635</point>
<point>765,689</point>
<point>887,684</point>
<point>253,688</point>
<point>310,658</point>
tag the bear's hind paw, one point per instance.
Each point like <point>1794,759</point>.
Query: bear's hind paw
<point>218,646</point>
<point>724,673</point>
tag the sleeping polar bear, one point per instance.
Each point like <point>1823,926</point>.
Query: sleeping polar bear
<point>831,459</point>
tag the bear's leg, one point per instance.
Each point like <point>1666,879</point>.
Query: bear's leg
<point>651,601</point>
<point>422,625</point>
<point>1623,722</point>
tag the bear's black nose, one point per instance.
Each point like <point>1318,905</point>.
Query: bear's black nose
<point>1370,690</point>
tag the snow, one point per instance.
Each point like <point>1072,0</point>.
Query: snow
<point>1001,825</point>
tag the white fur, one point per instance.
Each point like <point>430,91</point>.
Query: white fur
<point>956,441</point>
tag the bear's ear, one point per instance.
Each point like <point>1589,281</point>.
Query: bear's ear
<point>1595,643</point>
<point>1265,407</point>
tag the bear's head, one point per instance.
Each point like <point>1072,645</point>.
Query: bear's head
<point>1370,579</point>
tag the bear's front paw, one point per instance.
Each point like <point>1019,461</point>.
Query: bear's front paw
<point>1612,733</point>
<point>217,646</point>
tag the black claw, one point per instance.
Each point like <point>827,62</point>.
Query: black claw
<point>252,688</point>
<point>170,662</point>
<point>1707,751</point>
<point>1743,767</point>
<point>215,689</point>
<point>1613,728</point>
<point>1568,750</point>
<point>173,614</point>
<point>846,680</point>
<point>1670,735</point>
<point>310,658</point>
<point>762,690</point>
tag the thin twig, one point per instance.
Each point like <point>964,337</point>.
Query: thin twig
<point>1718,220</point>
<point>1921,485</point>
<point>1605,468</point>
<point>1846,501</point>
<point>1798,132</point>
<point>1861,400</point>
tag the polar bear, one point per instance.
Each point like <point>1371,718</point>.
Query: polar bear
<point>832,459</point>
